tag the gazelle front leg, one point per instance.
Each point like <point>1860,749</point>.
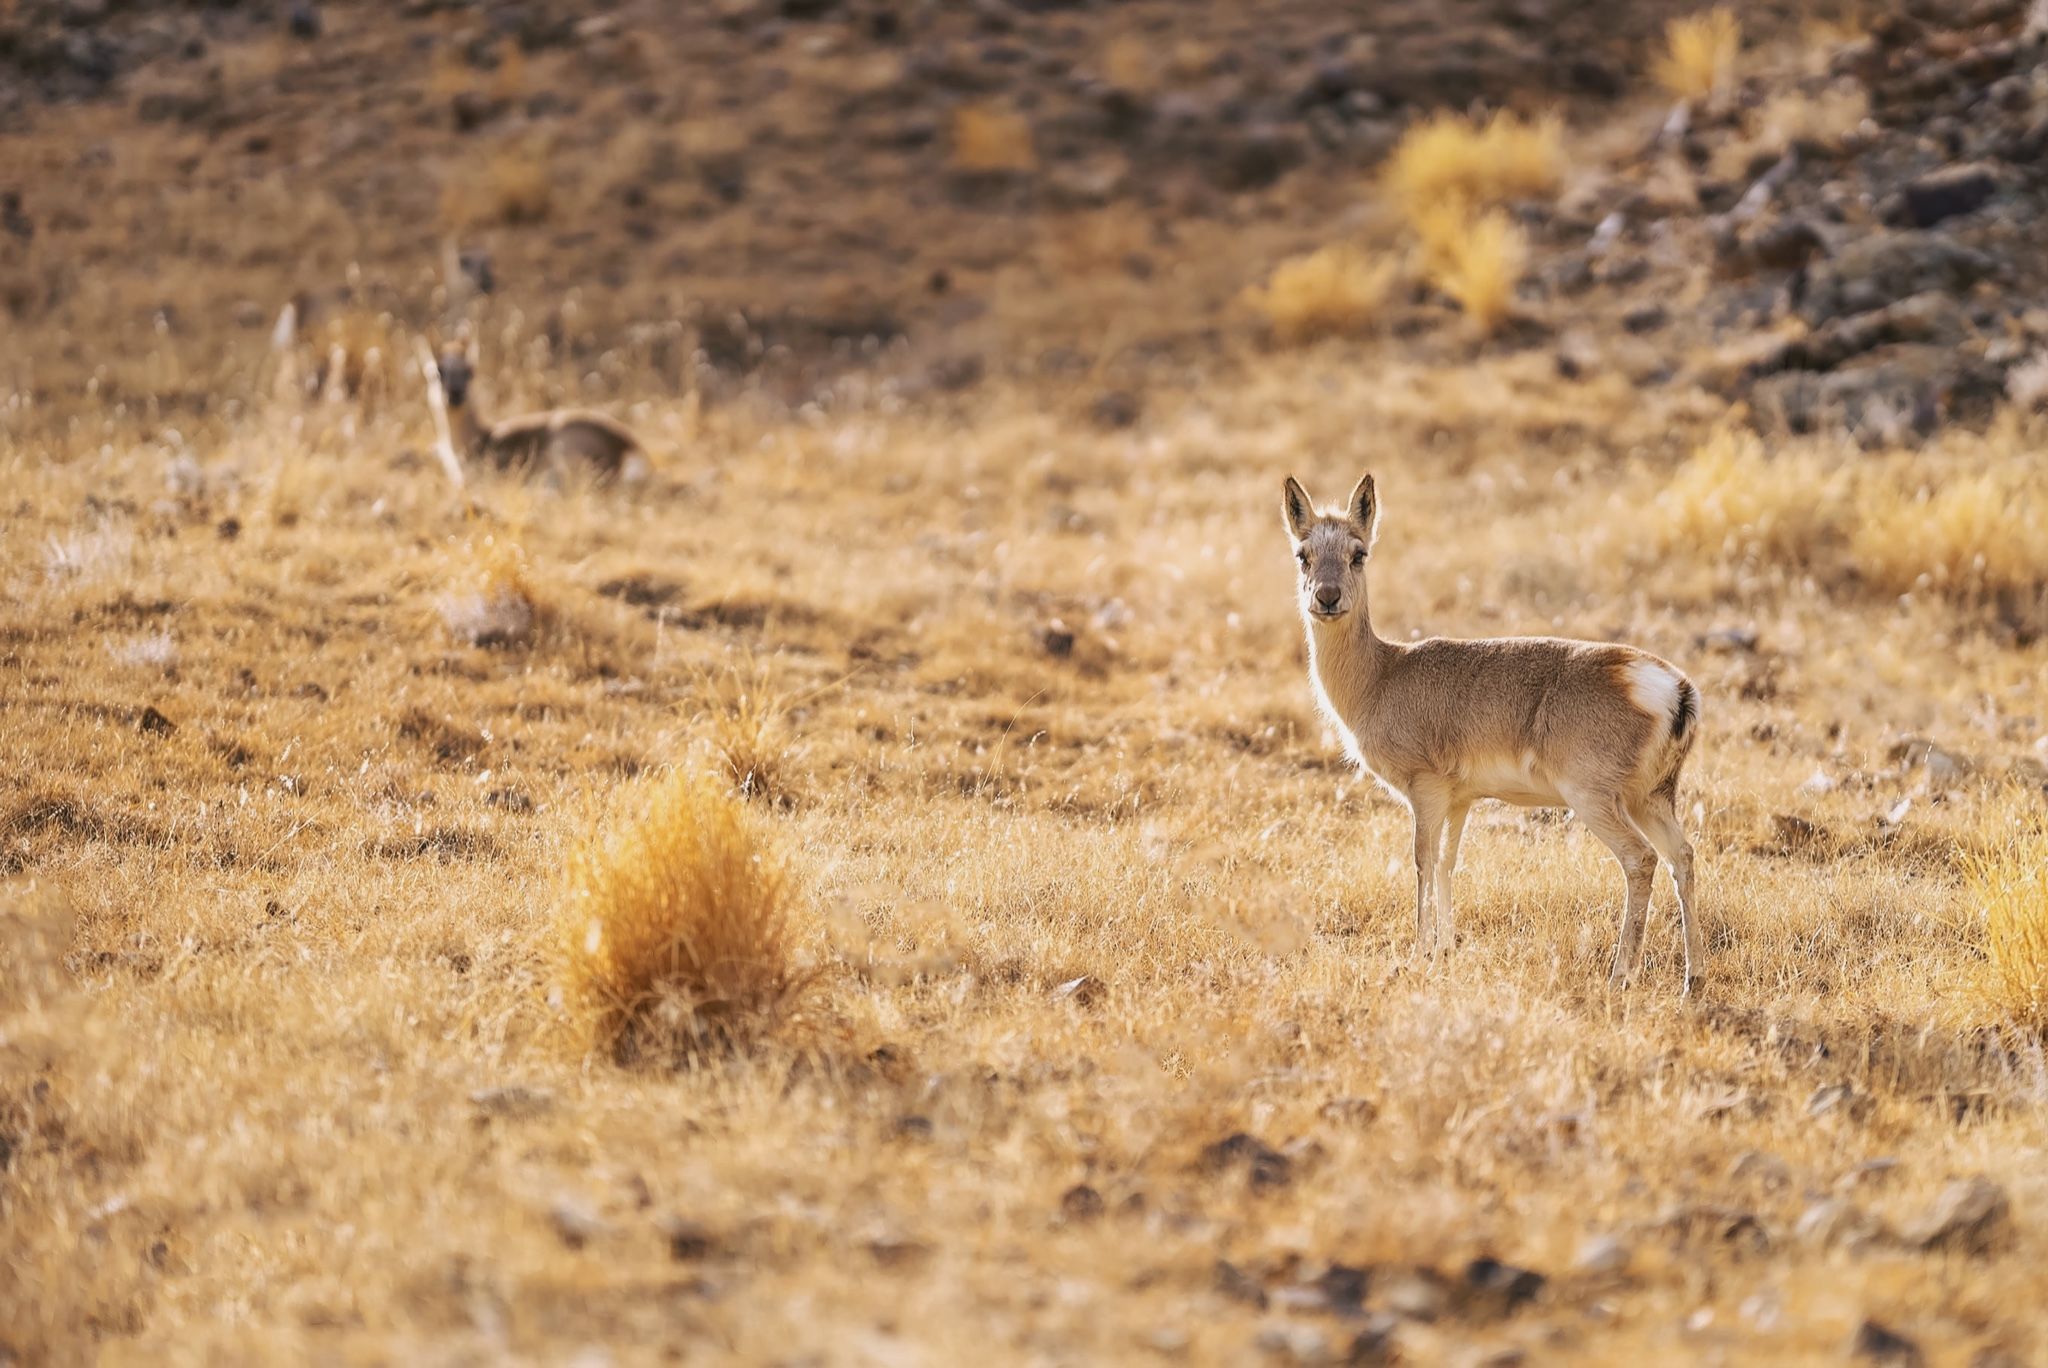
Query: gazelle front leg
<point>1454,832</point>
<point>1430,800</point>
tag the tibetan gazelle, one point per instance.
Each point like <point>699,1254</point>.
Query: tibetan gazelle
<point>558,441</point>
<point>1602,729</point>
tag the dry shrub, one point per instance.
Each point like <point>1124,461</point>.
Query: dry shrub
<point>1699,54</point>
<point>749,733</point>
<point>1971,535</point>
<point>1730,500</point>
<point>1475,258</point>
<point>496,604</point>
<point>2010,884</point>
<point>990,138</point>
<point>1334,289</point>
<point>676,936</point>
<point>1451,160</point>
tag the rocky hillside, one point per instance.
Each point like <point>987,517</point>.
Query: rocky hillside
<point>791,190</point>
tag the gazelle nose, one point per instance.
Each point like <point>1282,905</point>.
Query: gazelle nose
<point>1327,596</point>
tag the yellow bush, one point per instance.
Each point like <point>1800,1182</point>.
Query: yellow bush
<point>1448,159</point>
<point>1971,535</point>
<point>1476,259</point>
<point>1729,499</point>
<point>676,934</point>
<point>2010,884</point>
<point>1699,54</point>
<point>1334,289</point>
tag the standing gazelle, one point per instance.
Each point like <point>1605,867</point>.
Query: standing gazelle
<point>1600,728</point>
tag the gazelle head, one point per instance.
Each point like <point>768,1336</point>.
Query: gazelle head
<point>1331,549</point>
<point>457,367</point>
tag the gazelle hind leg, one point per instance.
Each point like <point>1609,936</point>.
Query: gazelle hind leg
<point>1657,815</point>
<point>1454,832</point>
<point>1606,817</point>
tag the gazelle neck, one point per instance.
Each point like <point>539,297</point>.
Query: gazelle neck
<point>1346,658</point>
<point>470,431</point>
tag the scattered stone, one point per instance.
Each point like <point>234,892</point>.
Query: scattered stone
<point>1838,1099</point>
<point>1115,410</point>
<point>1940,195</point>
<point>1418,1294</point>
<point>1707,1223</point>
<point>228,529</point>
<point>1764,1170</point>
<point>1785,244</point>
<point>1255,157</point>
<point>512,1102</point>
<point>1238,1285</point>
<point>1350,1111</point>
<point>1735,1103</point>
<point>1498,1288</point>
<point>302,20</point>
<point>575,1221</point>
<point>1832,1222</point>
<point>911,1127</point>
<point>1729,640</point>
<point>1869,1173</point>
<point>1373,1346</point>
<point>1295,1342</point>
<point>1264,1166</point>
<point>893,1251</point>
<point>1082,991</point>
<point>1972,1216</point>
<point>154,723</point>
<point>1645,318</point>
<point>688,1240</point>
<point>1343,1286</point>
<point>510,799</point>
<point>1601,1256</point>
<point>1880,1344</point>
<point>1081,1203</point>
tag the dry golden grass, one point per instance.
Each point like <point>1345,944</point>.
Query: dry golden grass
<point>1478,259</point>
<point>1450,160</point>
<point>676,935</point>
<point>1334,290</point>
<point>1098,902</point>
<point>991,138</point>
<point>515,185</point>
<point>1700,55</point>
<point>2009,887</point>
<point>1963,528</point>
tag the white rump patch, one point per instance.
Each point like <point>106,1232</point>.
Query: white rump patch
<point>1653,688</point>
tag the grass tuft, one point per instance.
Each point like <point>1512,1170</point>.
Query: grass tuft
<point>2010,884</point>
<point>1333,290</point>
<point>1973,535</point>
<point>1452,160</point>
<point>497,606</point>
<point>1729,499</point>
<point>1698,61</point>
<point>1476,259</point>
<point>676,937</point>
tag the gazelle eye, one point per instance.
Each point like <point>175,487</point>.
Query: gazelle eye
<point>1357,558</point>
<point>1302,557</point>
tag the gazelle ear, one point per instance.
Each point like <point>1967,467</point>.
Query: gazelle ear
<point>1300,512</point>
<point>1364,508</point>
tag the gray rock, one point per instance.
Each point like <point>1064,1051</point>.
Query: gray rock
<point>1416,1294</point>
<point>1869,1173</point>
<point>1601,1255</point>
<point>575,1221</point>
<point>1883,268</point>
<point>512,1102</point>
<point>1833,1223</point>
<point>1880,1344</point>
<point>1764,1170</point>
<point>1939,195</point>
<point>1972,1216</point>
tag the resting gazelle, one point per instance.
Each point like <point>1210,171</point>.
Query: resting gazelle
<point>1541,722</point>
<point>559,441</point>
